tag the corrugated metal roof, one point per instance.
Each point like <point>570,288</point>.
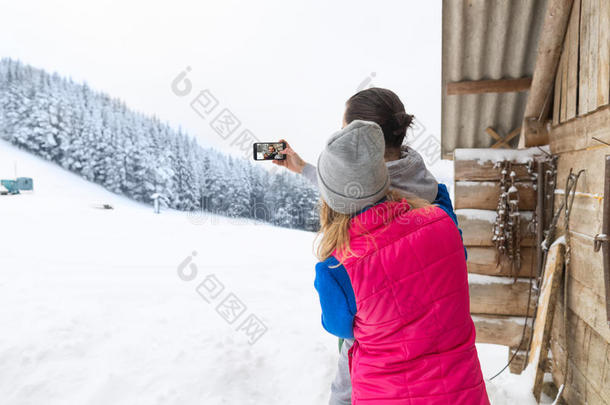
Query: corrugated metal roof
<point>486,40</point>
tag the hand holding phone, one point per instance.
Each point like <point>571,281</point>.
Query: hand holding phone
<point>269,150</point>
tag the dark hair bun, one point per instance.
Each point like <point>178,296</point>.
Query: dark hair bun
<point>401,121</point>
<point>383,107</point>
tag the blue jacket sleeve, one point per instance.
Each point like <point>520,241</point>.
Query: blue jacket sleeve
<point>337,298</point>
<point>444,202</point>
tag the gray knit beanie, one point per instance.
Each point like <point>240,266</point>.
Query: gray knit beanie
<point>351,170</point>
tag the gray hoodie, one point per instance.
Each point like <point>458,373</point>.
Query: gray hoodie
<point>407,174</point>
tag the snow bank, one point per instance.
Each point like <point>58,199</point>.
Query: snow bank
<point>511,389</point>
<point>484,279</point>
<point>516,319</point>
<point>475,214</point>
<point>468,183</point>
<point>499,155</point>
<point>487,215</point>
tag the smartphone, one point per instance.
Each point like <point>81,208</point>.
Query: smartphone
<point>269,150</point>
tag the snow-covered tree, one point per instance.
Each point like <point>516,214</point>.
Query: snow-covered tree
<point>99,138</point>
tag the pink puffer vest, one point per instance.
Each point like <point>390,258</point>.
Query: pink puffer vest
<point>413,330</point>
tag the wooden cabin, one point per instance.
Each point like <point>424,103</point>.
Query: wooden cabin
<point>526,119</point>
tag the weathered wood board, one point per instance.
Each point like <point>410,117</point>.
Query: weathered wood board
<point>501,297</point>
<point>557,96</point>
<point>582,81</point>
<point>501,330</point>
<point>589,365</point>
<point>586,265</point>
<point>482,260</point>
<point>485,194</point>
<point>591,18</point>
<point>571,50</point>
<point>544,314</point>
<point>584,289</point>
<point>519,360</point>
<point>485,170</point>
<point>589,306</point>
<point>477,227</point>
<point>585,64</point>
<point>586,214</point>
<point>563,62</point>
<point>578,133</point>
<point>489,86</point>
<point>592,160</point>
<point>549,46</point>
<point>603,73</point>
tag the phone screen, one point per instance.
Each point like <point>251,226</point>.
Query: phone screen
<point>269,151</point>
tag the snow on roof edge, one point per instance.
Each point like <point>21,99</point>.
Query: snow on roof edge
<point>482,155</point>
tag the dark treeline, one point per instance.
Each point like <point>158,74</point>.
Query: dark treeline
<point>98,137</point>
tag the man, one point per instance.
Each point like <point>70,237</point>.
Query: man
<point>271,153</point>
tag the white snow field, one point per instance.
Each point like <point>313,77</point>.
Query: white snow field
<point>92,310</point>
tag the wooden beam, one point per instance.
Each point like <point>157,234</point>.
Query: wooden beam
<point>477,227</point>
<point>603,77</point>
<point>504,143</point>
<point>484,195</point>
<point>549,51</point>
<point>519,360</point>
<point>587,352</point>
<point>587,212</point>
<point>601,240</point>
<point>536,128</point>
<point>482,260</point>
<point>504,297</point>
<point>489,86</point>
<point>578,133</point>
<point>485,170</point>
<point>500,330</point>
<point>563,108</point>
<point>589,51</point>
<point>478,163</point>
<point>549,388</point>
<point>492,132</point>
<point>571,47</point>
<point>592,181</point>
<point>544,314</point>
<point>588,306</point>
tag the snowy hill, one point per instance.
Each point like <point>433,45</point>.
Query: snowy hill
<point>93,311</point>
<point>99,138</point>
<point>98,314</point>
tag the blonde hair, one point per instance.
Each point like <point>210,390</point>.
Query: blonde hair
<point>334,227</point>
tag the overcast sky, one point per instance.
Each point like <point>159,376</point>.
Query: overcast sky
<point>284,68</point>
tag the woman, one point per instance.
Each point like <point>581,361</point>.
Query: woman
<point>393,277</point>
<point>408,174</point>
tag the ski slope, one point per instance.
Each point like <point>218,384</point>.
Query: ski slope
<point>92,309</point>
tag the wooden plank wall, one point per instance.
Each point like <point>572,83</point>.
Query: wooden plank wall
<point>582,80</point>
<point>498,302</point>
<point>589,347</point>
<point>581,112</point>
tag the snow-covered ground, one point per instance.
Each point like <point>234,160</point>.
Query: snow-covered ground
<point>92,309</point>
